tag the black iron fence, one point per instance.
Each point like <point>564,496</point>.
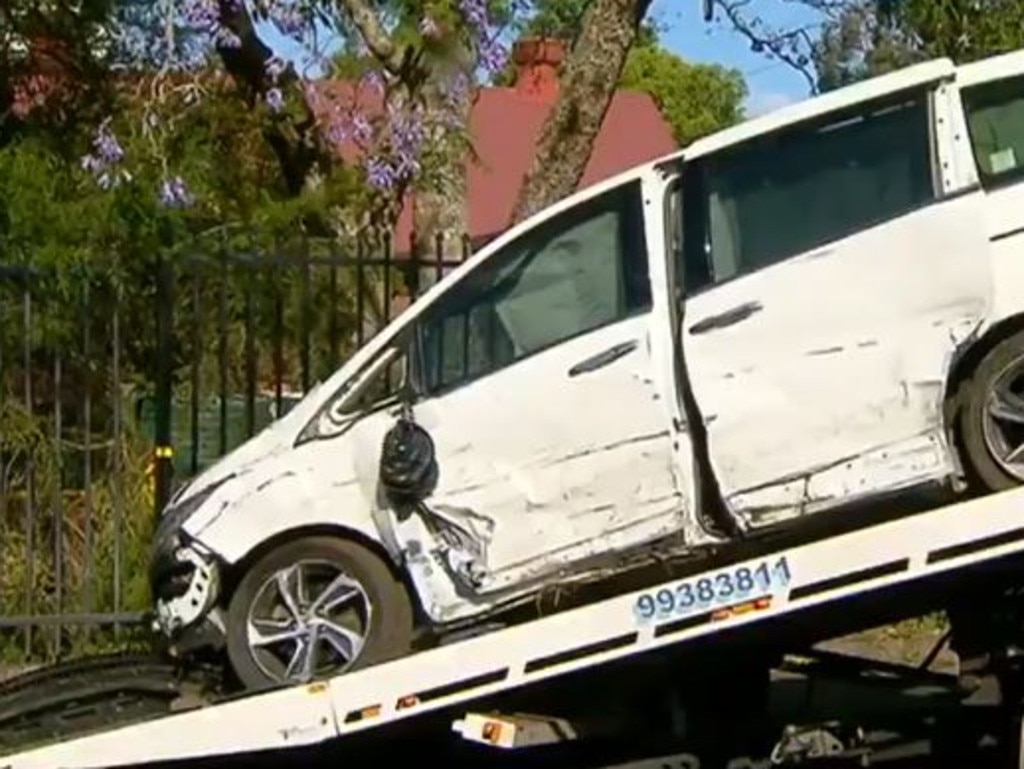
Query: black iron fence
<point>75,510</point>
<point>115,384</point>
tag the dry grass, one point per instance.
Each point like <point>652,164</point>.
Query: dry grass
<point>69,551</point>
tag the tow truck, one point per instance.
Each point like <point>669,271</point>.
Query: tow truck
<point>681,649</point>
<point>643,666</point>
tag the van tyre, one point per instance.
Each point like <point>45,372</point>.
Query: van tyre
<point>313,608</point>
<point>992,416</point>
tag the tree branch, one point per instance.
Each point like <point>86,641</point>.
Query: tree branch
<point>374,35</point>
<point>783,45</point>
<point>292,138</point>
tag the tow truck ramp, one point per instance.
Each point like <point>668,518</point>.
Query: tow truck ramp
<point>737,597</point>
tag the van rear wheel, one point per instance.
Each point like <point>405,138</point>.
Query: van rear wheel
<point>992,416</point>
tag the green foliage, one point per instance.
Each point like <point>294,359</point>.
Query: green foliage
<point>67,545</point>
<point>46,213</point>
<point>555,18</point>
<point>868,37</point>
<point>71,255</point>
<point>859,44</point>
<point>964,30</point>
<point>562,20</point>
<point>696,99</point>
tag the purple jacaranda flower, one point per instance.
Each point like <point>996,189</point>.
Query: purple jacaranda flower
<point>275,100</point>
<point>407,164</point>
<point>106,155</point>
<point>379,173</point>
<point>175,194</point>
<point>91,163</point>
<point>106,146</point>
<point>361,129</point>
<point>337,130</point>
<point>493,55</point>
<point>275,68</point>
<point>372,81</point>
<point>474,11</point>
<point>203,16</point>
<point>225,38</point>
<point>289,19</point>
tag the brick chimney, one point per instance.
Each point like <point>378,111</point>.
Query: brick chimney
<point>537,60</point>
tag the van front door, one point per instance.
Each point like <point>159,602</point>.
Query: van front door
<point>537,387</point>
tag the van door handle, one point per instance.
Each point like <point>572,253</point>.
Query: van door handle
<point>602,359</point>
<point>727,318</point>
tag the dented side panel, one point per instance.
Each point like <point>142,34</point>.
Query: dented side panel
<point>539,468</point>
<point>834,389</point>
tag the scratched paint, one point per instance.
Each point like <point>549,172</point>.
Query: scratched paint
<point>561,475</point>
<point>801,413</point>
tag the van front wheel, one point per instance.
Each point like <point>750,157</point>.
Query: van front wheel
<point>313,608</point>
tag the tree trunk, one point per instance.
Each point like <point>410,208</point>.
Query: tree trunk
<point>588,81</point>
<point>439,219</point>
<point>439,201</point>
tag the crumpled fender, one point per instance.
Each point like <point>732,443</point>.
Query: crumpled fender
<point>248,512</point>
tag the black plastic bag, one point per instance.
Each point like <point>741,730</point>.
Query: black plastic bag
<point>408,463</point>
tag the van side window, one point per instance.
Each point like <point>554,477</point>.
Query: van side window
<point>574,273</point>
<point>995,120</point>
<point>790,192</point>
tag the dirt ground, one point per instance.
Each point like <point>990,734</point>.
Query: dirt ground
<point>907,643</point>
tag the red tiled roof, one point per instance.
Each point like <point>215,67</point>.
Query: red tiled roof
<point>505,127</point>
<point>505,124</point>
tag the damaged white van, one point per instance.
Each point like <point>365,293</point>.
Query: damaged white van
<point>816,308</point>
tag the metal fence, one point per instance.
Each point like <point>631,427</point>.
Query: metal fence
<point>115,385</point>
<point>73,510</point>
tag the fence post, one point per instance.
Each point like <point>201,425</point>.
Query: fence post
<point>163,390</point>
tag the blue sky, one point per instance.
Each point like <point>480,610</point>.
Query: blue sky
<point>771,83</point>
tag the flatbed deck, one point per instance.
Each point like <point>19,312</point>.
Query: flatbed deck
<point>779,596</point>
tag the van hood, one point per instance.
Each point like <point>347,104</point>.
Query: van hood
<point>275,439</point>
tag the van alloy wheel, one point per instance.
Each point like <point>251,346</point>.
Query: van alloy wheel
<point>991,416</point>
<point>307,619</point>
<point>315,607</point>
<point>1004,419</point>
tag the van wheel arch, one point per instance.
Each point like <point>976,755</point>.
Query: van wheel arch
<point>234,572</point>
<point>959,382</point>
<point>315,606</point>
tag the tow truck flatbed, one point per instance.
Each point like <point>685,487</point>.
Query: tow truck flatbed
<point>918,556</point>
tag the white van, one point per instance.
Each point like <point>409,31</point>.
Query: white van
<point>813,309</point>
